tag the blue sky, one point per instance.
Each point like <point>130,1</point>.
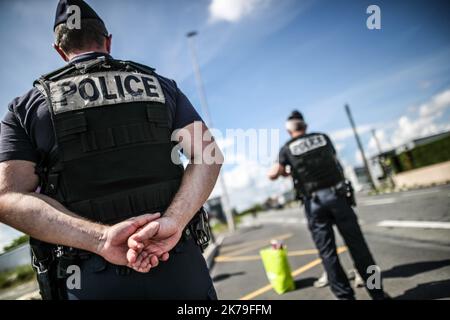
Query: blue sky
<point>311,55</point>
<point>262,58</point>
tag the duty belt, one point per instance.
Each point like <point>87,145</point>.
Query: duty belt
<point>336,188</point>
<point>343,189</point>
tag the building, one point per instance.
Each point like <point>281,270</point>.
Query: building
<point>420,162</point>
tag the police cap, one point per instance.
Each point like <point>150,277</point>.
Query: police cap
<point>296,115</point>
<point>63,12</point>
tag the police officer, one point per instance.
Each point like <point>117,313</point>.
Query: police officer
<point>86,161</point>
<point>319,178</point>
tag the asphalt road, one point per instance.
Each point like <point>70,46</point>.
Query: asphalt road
<point>415,260</point>
<point>408,233</point>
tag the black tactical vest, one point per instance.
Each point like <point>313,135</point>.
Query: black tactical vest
<point>314,164</point>
<point>113,154</point>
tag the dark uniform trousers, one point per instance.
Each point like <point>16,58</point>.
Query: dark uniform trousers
<point>185,276</point>
<point>323,210</point>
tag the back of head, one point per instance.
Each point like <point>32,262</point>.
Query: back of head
<point>78,28</point>
<point>295,123</point>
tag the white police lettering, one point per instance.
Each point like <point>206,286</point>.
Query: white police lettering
<point>303,145</point>
<point>104,88</point>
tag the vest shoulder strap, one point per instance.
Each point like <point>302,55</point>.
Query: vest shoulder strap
<point>140,67</point>
<point>86,66</point>
<point>56,74</point>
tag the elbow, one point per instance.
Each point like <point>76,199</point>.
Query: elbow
<point>220,158</point>
<point>211,158</point>
<point>217,164</point>
<point>212,155</point>
<point>3,196</point>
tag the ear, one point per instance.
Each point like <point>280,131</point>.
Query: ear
<point>61,52</point>
<point>108,42</point>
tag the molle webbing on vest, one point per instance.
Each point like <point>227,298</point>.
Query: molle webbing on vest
<point>116,207</point>
<point>150,127</point>
<point>314,163</point>
<point>114,148</point>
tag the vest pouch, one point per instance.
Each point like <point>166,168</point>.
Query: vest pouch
<point>120,206</point>
<point>70,125</point>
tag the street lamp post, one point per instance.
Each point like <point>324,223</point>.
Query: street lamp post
<point>361,149</point>
<point>205,110</point>
<point>386,171</point>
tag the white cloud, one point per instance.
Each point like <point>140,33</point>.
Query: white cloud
<point>425,123</point>
<point>409,129</point>
<point>422,121</point>
<point>223,143</point>
<point>248,156</point>
<point>437,104</point>
<point>383,140</point>
<point>344,134</point>
<point>339,146</point>
<point>358,158</point>
<point>247,184</point>
<point>233,10</point>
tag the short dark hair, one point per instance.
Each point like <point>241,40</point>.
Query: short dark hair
<point>92,32</point>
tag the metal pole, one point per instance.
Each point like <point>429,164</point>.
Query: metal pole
<point>207,116</point>
<point>377,142</point>
<point>361,149</point>
<point>382,163</point>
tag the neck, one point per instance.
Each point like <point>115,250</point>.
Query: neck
<point>79,53</point>
<point>297,134</point>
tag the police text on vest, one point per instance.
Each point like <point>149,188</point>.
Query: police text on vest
<point>104,88</point>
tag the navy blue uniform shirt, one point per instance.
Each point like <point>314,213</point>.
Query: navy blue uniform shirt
<point>26,131</point>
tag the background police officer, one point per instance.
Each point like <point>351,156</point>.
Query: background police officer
<point>319,178</point>
<point>95,137</point>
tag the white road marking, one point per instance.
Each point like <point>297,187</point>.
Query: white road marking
<point>419,193</point>
<point>376,202</point>
<point>396,197</point>
<point>414,224</point>
<point>274,220</point>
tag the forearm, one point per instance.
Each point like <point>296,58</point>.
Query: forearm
<point>196,186</point>
<point>276,171</point>
<point>46,219</point>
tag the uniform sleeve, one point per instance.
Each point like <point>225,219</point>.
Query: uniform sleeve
<point>283,157</point>
<point>185,112</point>
<point>15,144</point>
<point>330,143</point>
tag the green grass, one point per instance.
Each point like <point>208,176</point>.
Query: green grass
<point>16,276</point>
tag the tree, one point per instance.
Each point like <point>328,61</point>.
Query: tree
<point>17,242</point>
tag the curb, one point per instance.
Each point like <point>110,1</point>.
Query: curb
<point>211,252</point>
<point>35,295</point>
